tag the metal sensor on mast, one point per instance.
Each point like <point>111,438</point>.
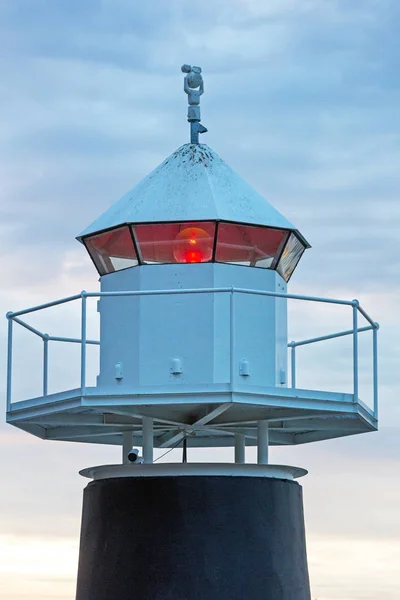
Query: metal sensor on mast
<point>194,88</point>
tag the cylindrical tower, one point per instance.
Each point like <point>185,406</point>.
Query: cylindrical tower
<point>197,532</point>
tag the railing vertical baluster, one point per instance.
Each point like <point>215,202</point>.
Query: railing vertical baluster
<point>355,350</point>
<point>375,368</point>
<point>45,363</point>
<point>83,343</point>
<point>293,364</point>
<point>232,340</point>
<point>9,361</point>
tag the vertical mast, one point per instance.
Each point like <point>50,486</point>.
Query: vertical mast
<point>194,88</point>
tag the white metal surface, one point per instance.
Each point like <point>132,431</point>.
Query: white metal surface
<point>262,442</point>
<point>240,448</point>
<point>201,332</point>
<point>192,184</point>
<point>295,416</point>
<point>193,469</point>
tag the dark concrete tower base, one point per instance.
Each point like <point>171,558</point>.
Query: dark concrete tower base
<point>193,538</point>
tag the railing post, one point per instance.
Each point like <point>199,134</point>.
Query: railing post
<point>147,433</point>
<point>240,449</point>
<point>375,367</point>
<point>83,342</point>
<point>355,305</point>
<point>45,363</point>
<point>9,360</point>
<point>293,363</point>
<point>127,443</point>
<point>262,442</point>
<point>232,340</point>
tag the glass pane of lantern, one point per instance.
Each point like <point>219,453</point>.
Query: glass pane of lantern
<point>112,251</point>
<point>176,242</point>
<point>290,257</point>
<point>248,245</point>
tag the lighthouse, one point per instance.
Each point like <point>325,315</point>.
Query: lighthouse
<point>194,352</point>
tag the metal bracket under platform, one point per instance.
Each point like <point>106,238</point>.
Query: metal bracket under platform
<point>209,416</point>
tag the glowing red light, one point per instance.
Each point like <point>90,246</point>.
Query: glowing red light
<point>193,245</point>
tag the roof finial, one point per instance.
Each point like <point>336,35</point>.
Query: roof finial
<point>194,87</point>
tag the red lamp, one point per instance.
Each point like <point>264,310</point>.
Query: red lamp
<point>193,245</point>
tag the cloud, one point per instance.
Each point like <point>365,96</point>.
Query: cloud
<point>33,568</point>
<point>366,568</point>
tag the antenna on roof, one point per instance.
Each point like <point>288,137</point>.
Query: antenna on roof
<point>194,88</point>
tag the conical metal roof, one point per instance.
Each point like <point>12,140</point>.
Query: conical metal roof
<point>192,184</point>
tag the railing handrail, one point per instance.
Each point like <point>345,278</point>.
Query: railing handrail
<point>354,303</point>
<point>83,296</point>
<point>329,336</point>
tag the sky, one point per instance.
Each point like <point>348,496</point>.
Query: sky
<point>302,99</point>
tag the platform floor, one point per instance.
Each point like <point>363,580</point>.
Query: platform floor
<point>207,416</point>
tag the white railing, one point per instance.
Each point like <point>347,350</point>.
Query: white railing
<point>14,317</point>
